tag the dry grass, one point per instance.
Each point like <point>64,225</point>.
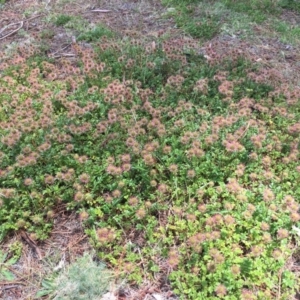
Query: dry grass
<point>66,243</point>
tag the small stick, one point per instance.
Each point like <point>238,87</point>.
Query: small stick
<point>32,244</point>
<point>247,127</point>
<point>101,10</point>
<point>14,31</point>
<point>10,285</point>
<point>278,296</point>
<point>34,17</point>
<point>64,48</point>
<point>9,25</point>
<point>75,242</point>
<point>62,55</point>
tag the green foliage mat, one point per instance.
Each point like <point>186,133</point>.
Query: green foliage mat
<point>183,168</point>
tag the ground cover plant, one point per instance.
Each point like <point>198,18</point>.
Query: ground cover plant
<point>207,19</point>
<point>183,166</point>
<point>84,279</point>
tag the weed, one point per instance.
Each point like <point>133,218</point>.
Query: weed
<point>290,4</point>
<point>288,32</point>
<point>95,34</point>
<point>205,19</point>
<point>47,34</point>
<point>62,20</point>
<point>83,279</point>
<point>205,28</point>
<point>257,9</point>
<point>7,260</point>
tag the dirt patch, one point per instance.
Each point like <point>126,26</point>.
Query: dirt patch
<point>137,17</point>
<point>66,243</point>
<point>32,22</point>
<point>39,259</point>
<point>290,17</point>
<point>269,53</point>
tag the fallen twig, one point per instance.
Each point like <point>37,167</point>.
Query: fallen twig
<point>12,24</point>
<point>10,284</point>
<point>278,296</point>
<point>34,17</point>
<point>7,26</point>
<point>32,244</point>
<point>64,48</point>
<point>14,31</point>
<point>243,134</point>
<point>101,10</point>
<point>62,55</point>
<point>70,245</point>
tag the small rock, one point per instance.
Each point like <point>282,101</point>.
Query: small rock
<point>109,296</point>
<point>158,297</point>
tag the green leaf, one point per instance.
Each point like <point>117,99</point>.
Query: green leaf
<point>47,283</point>
<point>42,293</point>
<point>7,275</point>
<point>12,260</point>
<point>3,257</point>
<point>246,266</point>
